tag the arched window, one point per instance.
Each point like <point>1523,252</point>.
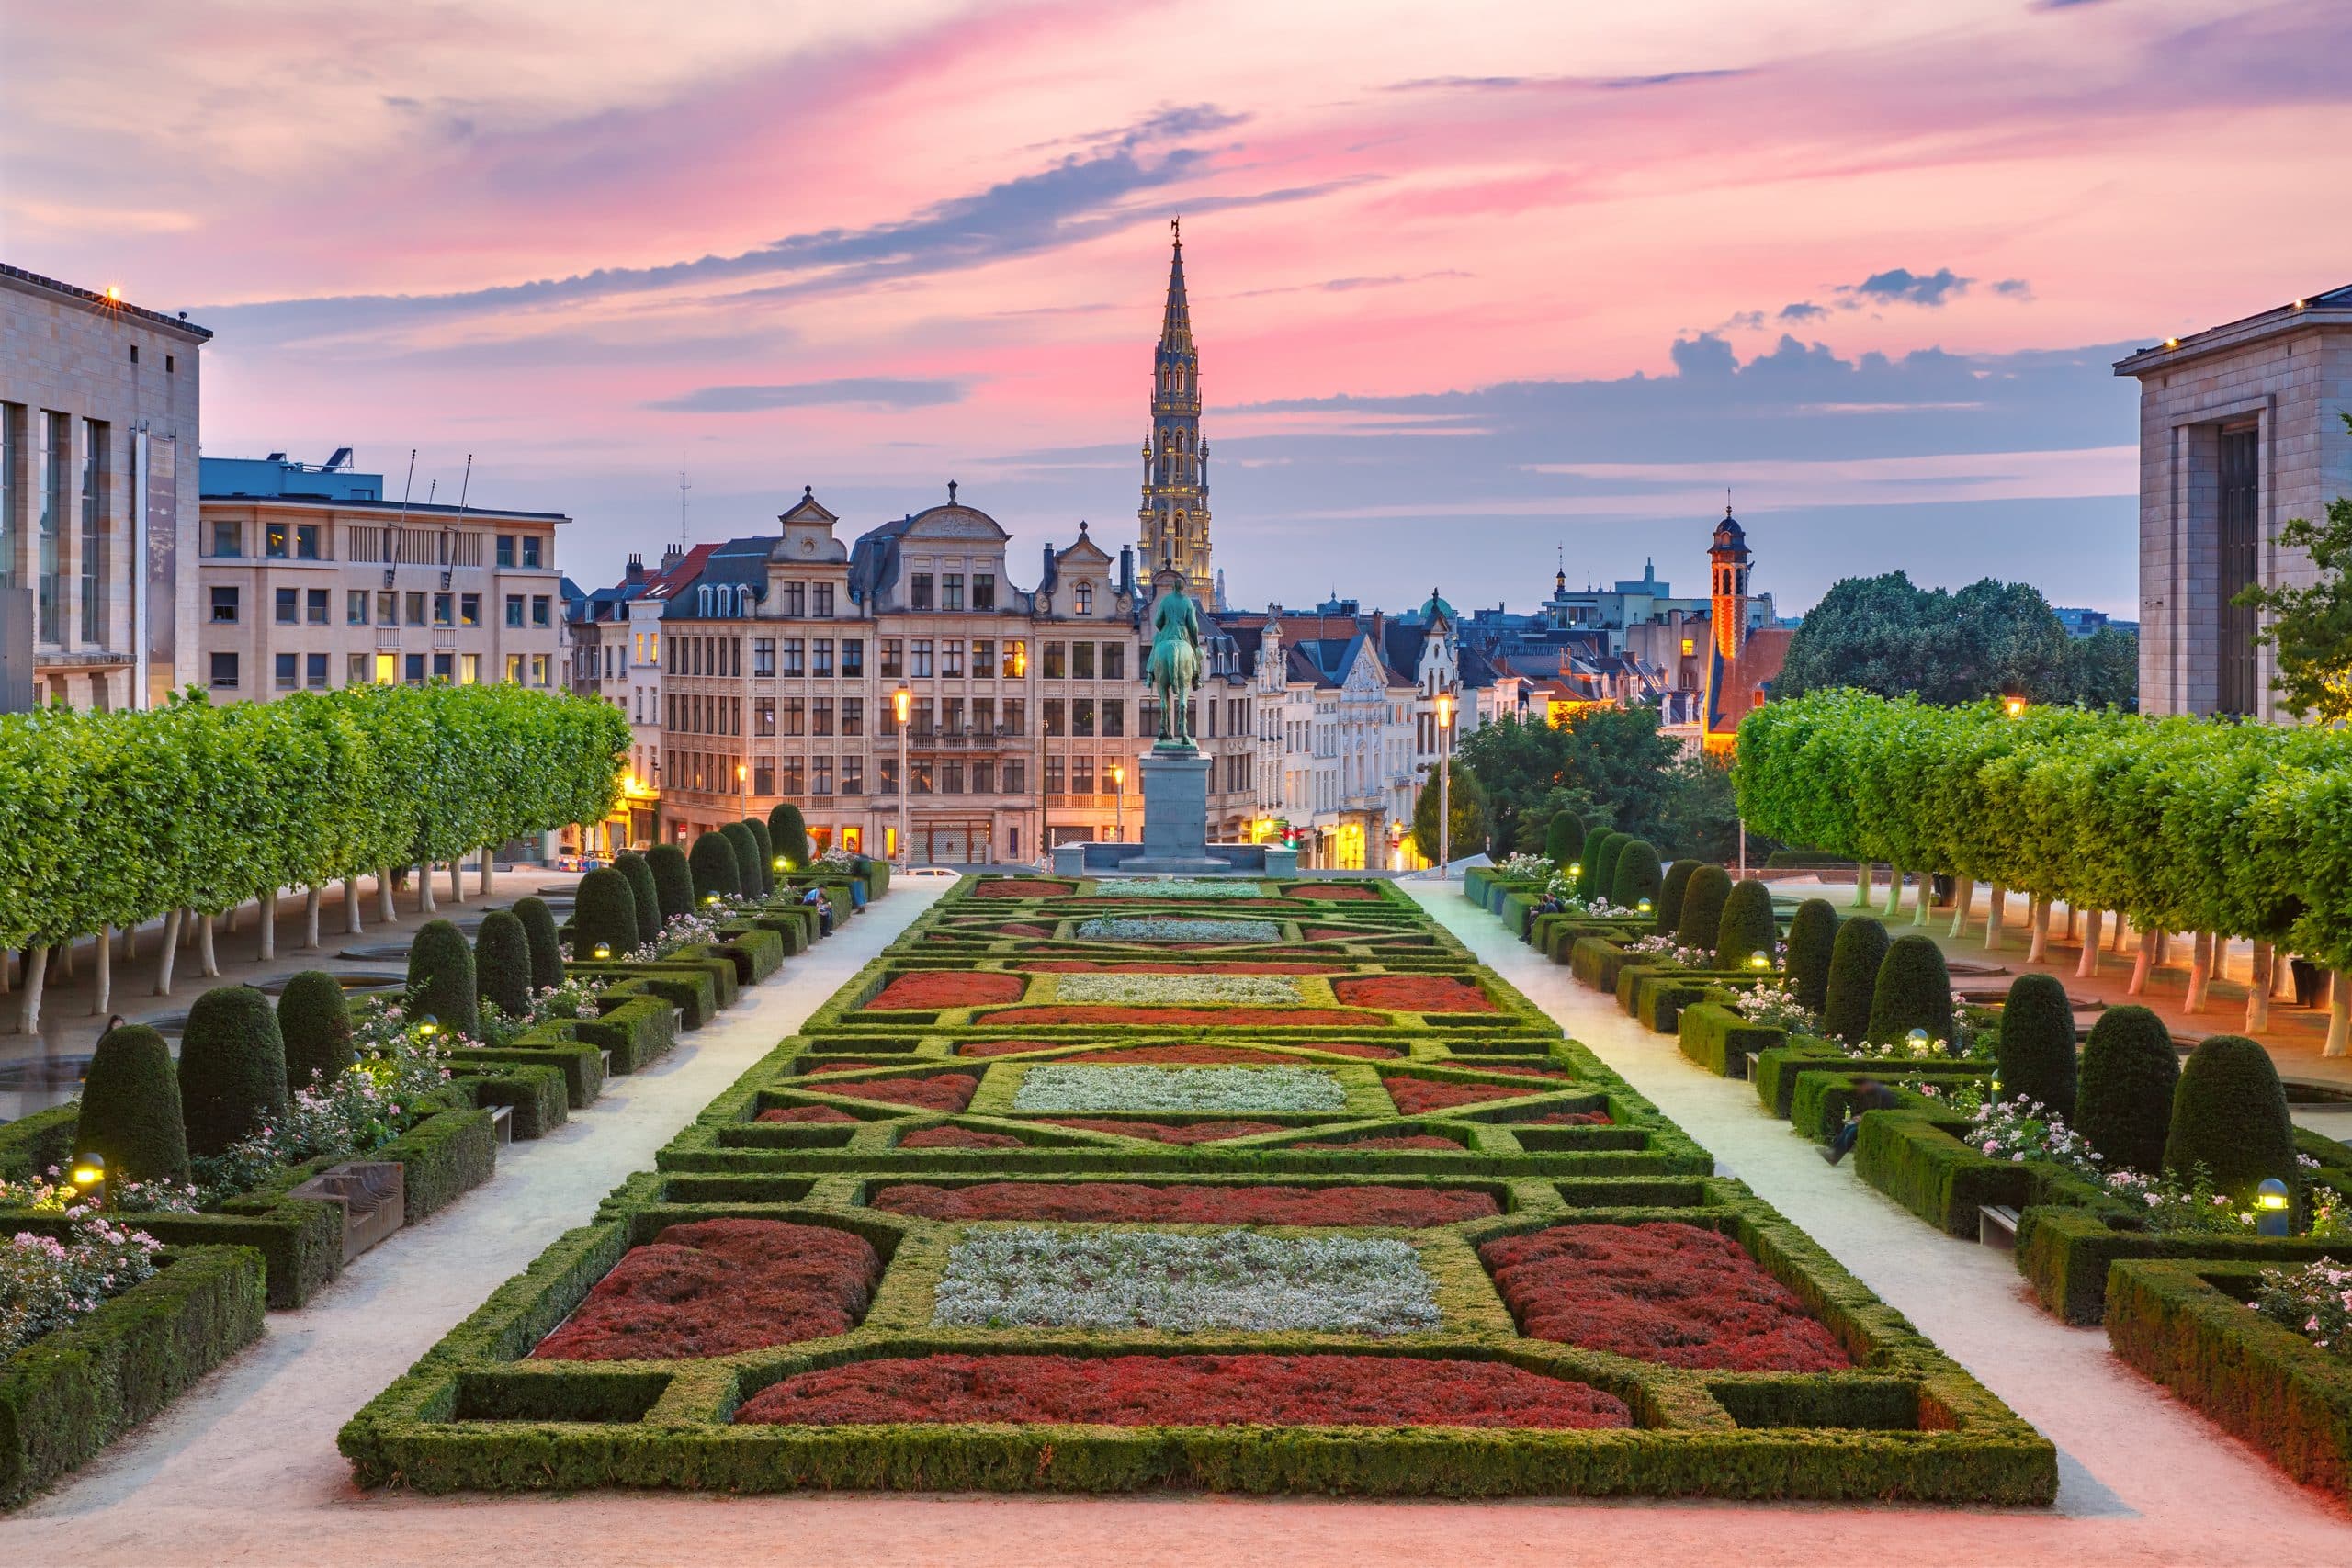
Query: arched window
<point>1086,598</point>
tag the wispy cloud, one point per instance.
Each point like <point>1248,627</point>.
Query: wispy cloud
<point>1560,83</point>
<point>1900,285</point>
<point>862,391</point>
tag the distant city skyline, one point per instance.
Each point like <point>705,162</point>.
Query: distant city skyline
<point>1465,294</point>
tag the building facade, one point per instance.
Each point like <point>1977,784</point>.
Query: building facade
<point>99,405</point>
<point>2239,432</point>
<point>309,580</point>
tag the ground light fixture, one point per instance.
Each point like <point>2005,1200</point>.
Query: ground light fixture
<point>2013,707</point>
<point>2270,1202</point>
<point>428,1026</point>
<point>1641,906</point>
<point>604,950</point>
<point>1576,869</point>
<point>90,1178</point>
<point>1759,961</point>
<point>1917,1039</point>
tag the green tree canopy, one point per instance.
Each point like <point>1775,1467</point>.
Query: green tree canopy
<point>2311,626</point>
<point>1991,638</point>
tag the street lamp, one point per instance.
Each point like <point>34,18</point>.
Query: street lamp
<point>1118,803</point>
<point>2013,707</point>
<point>901,701</point>
<point>1444,782</point>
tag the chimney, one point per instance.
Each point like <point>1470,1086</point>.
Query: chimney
<point>634,570</point>
<point>671,557</point>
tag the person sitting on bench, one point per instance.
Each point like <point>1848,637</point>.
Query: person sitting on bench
<point>1869,1095</point>
<point>815,898</point>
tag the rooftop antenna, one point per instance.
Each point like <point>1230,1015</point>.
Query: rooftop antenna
<point>465,485</point>
<point>683,488</point>
<point>392,550</point>
<point>1727,500</point>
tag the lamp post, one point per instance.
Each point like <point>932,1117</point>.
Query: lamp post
<point>1444,783</point>
<point>90,1180</point>
<point>1118,803</point>
<point>2270,1199</point>
<point>901,701</point>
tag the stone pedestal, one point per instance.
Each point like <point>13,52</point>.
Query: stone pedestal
<point>1175,813</point>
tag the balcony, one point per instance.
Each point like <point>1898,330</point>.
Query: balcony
<point>968,736</point>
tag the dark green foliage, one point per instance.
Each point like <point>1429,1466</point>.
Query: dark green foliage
<point>716,874</point>
<point>2123,1101</point>
<point>639,872</point>
<point>1597,848</point>
<point>606,914</point>
<point>1604,867</point>
<point>2229,1114</point>
<point>673,883</point>
<point>1564,839</point>
<point>315,1019</point>
<point>2037,1051</point>
<point>1883,634</point>
<point>1465,803</point>
<point>764,842</point>
<point>1854,960</point>
<point>441,977</point>
<point>1670,895</point>
<point>790,834</point>
<point>1914,991</point>
<point>232,1066</point>
<point>748,867</point>
<point>502,963</point>
<point>130,1108</point>
<point>546,947</point>
<point>1813,933</point>
<point>1703,907</point>
<point>1637,876</point>
<point>1746,925</point>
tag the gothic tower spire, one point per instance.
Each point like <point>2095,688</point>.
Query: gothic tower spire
<point>1175,511</point>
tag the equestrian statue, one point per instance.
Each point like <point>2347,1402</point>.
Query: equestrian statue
<point>1175,668</point>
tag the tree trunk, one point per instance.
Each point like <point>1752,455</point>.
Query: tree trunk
<point>102,1003</point>
<point>206,957</point>
<point>1963,893</point>
<point>1996,905</point>
<point>2164,948</point>
<point>385,913</point>
<point>2038,939</point>
<point>171,951</point>
<point>2257,991</point>
<point>486,870</point>
<point>1862,885</point>
<point>1927,895</point>
<point>457,881</point>
<point>310,899</point>
<point>352,925</point>
<point>2116,944</point>
<point>8,960</point>
<point>2140,965</point>
<point>63,961</point>
<point>2089,965</point>
<point>2339,1013</point>
<point>1895,890</point>
<point>131,942</point>
<point>2201,971</point>
<point>267,906</point>
<point>35,982</point>
<point>2070,912</point>
<point>425,888</point>
<point>2283,975</point>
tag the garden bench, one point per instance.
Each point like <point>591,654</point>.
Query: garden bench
<point>502,1122</point>
<point>1996,1225</point>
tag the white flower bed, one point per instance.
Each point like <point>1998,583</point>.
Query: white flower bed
<point>1163,990</point>
<point>1027,1278</point>
<point>1168,927</point>
<point>1060,1087</point>
<point>1176,887</point>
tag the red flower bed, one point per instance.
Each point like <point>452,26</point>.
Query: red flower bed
<point>843,1067</point>
<point>1211,1055</point>
<point>1333,933</point>
<point>1184,1390</point>
<point>1411,1141</point>
<point>1666,1292</point>
<point>1259,1018</point>
<point>717,1287</point>
<point>958,1138</point>
<point>1521,1072</point>
<point>1017,928</point>
<point>1166,1132</point>
<point>1000,1047</point>
<point>948,1091</point>
<point>1022,887</point>
<point>947,988</point>
<point>1132,1202</point>
<point>1327,890</point>
<point>1145,966</point>
<point>1414,1096</point>
<point>1413,993</point>
<point>1566,1118</point>
<point>807,1114</point>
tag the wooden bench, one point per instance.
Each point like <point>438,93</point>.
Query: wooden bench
<point>502,1122</point>
<point>1996,1225</point>
<point>1747,1062</point>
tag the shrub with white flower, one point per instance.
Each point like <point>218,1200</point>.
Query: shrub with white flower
<point>1059,1087</point>
<point>1662,945</point>
<point>1027,1277</point>
<point>2314,1300</point>
<point>48,1281</point>
<point>1180,990</point>
<point>1775,1006</point>
<point>1525,868</point>
<point>53,1193</point>
<point>574,998</point>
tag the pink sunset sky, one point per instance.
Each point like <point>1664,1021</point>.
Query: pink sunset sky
<point>1475,285</point>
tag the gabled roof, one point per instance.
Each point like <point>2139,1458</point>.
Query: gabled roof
<point>665,585</point>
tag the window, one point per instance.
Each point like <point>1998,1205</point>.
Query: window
<point>355,607</point>
<point>894,659</point>
<point>513,605</point>
<point>412,670</point>
<point>951,656</point>
<point>820,657</point>
<point>795,600</point>
<point>542,669</point>
<point>444,666</point>
<point>314,671</point>
<point>1015,717</point>
<point>314,606</point>
<point>1082,716</point>
<point>306,541</point>
<point>983,660</point>
<point>1053,775</point>
<point>354,670</point>
<point>796,715</point>
<point>950,776</point>
<point>531,550</point>
<point>1053,716</point>
<point>823,594</point>
<point>1016,776</point>
<point>506,549</point>
<point>922,658</point>
<point>1114,661</point>
<point>983,776</point>
<point>289,606</point>
<point>950,715</point>
<point>820,779</point>
<point>224,671</point>
<point>1082,661</point>
<point>763,656</point>
<point>1115,716</point>
<point>387,667</point>
<point>922,719</point>
<point>763,776</point>
<point>951,593</point>
<point>852,716</point>
<point>1082,776</point>
<point>922,777</point>
<point>444,609</point>
<point>886,772</point>
<point>983,716</point>
<point>764,716</point>
<point>820,715</point>
<point>1016,661</point>
<point>224,606</point>
<point>983,591</point>
<point>227,537</point>
<point>1086,598</point>
<point>50,474</point>
<point>277,541</point>
<point>853,775</point>
<point>515,669</point>
<point>540,605</point>
<point>416,608</point>
<point>387,608</point>
<point>1053,670</point>
<point>1689,647</point>
<point>921,591</point>
<point>2238,525</point>
<point>854,656</point>
<point>792,657</point>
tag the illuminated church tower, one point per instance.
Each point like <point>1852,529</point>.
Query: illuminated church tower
<point>1175,511</point>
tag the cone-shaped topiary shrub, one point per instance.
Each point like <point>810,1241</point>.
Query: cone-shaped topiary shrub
<point>232,1066</point>
<point>1914,991</point>
<point>766,841</point>
<point>130,1108</point>
<point>547,946</point>
<point>605,912</point>
<point>791,836</point>
<point>2229,1114</point>
<point>1813,933</point>
<point>2036,1056</point>
<point>1854,960</point>
<point>748,864</point>
<point>441,977</point>
<point>639,872</point>
<point>712,861</point>
<point>1670,895</point>
<point>1703,907</point>
<point>1564,839</point>
<point>2123,1097</point>
<point>1746,925</point>
<point>673,883</point>
<point>1637,876</point>
<point>503,963</point>
<point>314,1019</point>
<point>1605,858</point>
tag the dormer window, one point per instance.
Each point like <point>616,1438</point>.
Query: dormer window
<point>1086,598</point>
